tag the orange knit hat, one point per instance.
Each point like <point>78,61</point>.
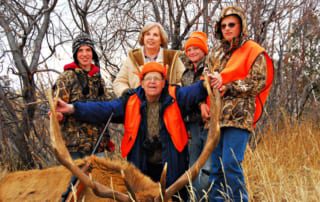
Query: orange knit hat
<point>152,67</point>
<point>198,39</point>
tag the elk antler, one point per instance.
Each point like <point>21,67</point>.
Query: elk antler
<point>65,159</point>
<point>211,143</point>
<point>163,180</point>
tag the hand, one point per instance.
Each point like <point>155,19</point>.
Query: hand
<point>58,114</point>
<point>222,90</point>
<point>64,107</point>
<point>205,111</point>
<point>215,80</point>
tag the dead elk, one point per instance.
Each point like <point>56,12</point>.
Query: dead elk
<point>49,184</point>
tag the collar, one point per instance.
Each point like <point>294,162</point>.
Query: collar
<point>72,66</point>
<point>159,57</point>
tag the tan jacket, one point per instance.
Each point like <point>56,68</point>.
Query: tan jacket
<point>127,76</point>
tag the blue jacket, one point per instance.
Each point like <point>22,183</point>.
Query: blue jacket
<point>187,97</point>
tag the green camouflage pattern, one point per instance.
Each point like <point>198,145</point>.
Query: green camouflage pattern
<point>189,77</point>
<point>238,102</point>
<point>79,136</point>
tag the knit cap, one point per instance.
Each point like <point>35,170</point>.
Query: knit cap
<point>80,40</point>
<point>152,67</point>
<point>198,39</point>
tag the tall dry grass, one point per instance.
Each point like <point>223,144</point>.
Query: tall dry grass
<point>285,166</point>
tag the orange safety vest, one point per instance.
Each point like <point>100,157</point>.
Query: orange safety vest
<point>238,67</point>
<point>172,119</point>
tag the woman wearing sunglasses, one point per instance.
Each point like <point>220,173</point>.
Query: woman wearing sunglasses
<point>246,72</point>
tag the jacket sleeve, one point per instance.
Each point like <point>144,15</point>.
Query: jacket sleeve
<point>121,82</point>
<point>99,112</point>
<point>189,97</point>
<point>254,82</point>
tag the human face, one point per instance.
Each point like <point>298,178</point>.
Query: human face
<point>153,83</point>
<point>152,39</point>
<point>84,56</point>
<point>195,54</point>
<point>230,27</point>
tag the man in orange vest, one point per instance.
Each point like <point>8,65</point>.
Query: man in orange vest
<point>246,72</point>
<point>153,121</point>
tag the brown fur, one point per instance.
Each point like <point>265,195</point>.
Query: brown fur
<point>49,184</point>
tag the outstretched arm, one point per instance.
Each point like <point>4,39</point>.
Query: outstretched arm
<point>93,112</point>
<point>99,112</point>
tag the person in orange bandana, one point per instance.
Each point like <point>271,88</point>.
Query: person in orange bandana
<point>246,72</point>
<point>154,130</point>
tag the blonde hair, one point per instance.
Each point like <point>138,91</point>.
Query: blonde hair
<point>150,25</point>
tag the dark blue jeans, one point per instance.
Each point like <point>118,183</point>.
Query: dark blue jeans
<point>196,144</point>
<point>227,177</point>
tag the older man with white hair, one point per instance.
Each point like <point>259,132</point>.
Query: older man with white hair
<point>155,132</point>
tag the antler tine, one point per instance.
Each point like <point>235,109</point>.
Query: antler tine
<point>63,156</point>
<point>55,133</point>
<point>211,143</point>
<point>163,179</point>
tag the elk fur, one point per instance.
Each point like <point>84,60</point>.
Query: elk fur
<point>48,184</point>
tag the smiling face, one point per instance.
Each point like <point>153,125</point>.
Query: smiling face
<point>152,38</point>
<point>230,27</point>
<point>84,57</point>
<point>195,54</point>
<point>153,83</point>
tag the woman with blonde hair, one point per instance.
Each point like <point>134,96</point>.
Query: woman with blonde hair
<point>154,41</point>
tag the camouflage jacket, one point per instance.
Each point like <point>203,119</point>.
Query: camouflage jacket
<point>238,102</point>
<point>190,76</point>
<point>74,85</point>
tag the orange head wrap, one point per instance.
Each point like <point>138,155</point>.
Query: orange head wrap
<point>198,39</point>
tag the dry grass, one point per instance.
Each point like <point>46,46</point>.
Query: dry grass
<point>286,165</point>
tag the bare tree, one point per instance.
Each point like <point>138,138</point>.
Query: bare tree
<point>303,60</point>
<point>179,17</point>
<point>25,25</point>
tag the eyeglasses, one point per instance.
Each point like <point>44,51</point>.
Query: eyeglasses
<point>155,79</point>
<point>230,25</point>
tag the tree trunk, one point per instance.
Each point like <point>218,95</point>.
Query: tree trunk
<point>18,138</point>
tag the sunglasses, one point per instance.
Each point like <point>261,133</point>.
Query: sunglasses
<point>230,25</point>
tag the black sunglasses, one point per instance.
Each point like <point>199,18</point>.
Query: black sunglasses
<point>230,25</point>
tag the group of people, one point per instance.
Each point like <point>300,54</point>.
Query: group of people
<point>161,100</point>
